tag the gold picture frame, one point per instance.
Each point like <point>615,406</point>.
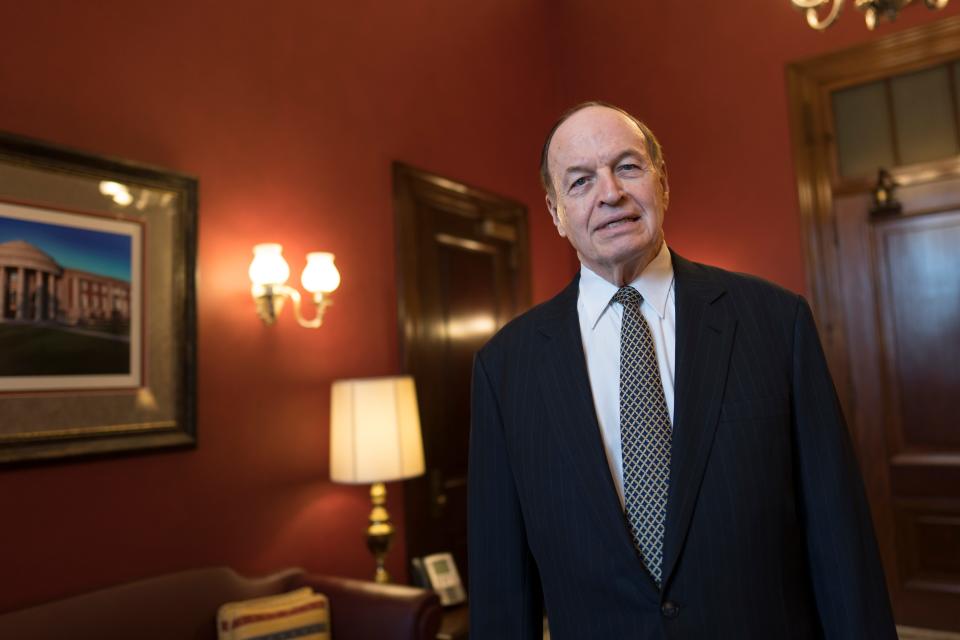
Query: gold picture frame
<point>97,304</point>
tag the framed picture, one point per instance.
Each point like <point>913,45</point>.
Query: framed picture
<point>97,304</point>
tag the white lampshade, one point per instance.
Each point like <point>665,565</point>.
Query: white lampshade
<point>268,266</point>
<point>320,274</point>
<point>375,430</point>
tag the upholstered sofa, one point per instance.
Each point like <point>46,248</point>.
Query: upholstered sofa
<point>183,606</point>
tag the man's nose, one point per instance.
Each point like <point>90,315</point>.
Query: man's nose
<point>610,189</point>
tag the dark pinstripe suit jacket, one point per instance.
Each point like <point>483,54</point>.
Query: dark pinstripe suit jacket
<point>768,534</point>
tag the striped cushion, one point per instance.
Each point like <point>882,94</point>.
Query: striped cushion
<point>300,614</point>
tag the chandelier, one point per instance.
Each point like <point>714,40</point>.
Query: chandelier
<point>873,10</point>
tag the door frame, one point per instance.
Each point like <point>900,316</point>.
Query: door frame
<point>410,183</point>
<point>493,216</point>
<point>809,85</point>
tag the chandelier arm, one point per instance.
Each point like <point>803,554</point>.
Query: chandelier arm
<point>816,23</point>
<point>874,10</point>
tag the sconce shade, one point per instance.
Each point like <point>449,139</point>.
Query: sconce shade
<point>268,266</point>
<point>374,430</point>
<point>320,274</point>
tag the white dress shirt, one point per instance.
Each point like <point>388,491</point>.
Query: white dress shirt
<point>600,320</point>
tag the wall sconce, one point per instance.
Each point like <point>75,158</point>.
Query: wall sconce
<point>268,276</point>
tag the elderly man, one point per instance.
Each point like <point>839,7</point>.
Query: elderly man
<point>658,451</point>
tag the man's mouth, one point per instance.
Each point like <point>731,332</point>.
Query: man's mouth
<point>619,222</point>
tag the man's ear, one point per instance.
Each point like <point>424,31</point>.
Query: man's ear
<point>552,208</point>
<point>665,186</point>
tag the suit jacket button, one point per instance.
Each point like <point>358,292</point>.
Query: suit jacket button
<point>670,609</point>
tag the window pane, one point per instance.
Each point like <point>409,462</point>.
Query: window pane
<point>864,139</point>
<point>923,111</point>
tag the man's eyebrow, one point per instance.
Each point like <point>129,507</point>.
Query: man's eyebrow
<point>631,152</point>
<point>636,153</point>
<point>576,169</point>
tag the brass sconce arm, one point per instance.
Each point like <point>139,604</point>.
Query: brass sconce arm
<point>271,298</point>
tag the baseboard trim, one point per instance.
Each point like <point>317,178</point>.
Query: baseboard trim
<point>914,633</point>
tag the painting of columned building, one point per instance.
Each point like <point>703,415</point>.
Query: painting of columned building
<point>71,300</point>
<point>35,288</point>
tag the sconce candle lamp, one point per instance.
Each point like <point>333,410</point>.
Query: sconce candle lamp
<point>268,276</point>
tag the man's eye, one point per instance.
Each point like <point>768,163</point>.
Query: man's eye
<point>629,167</point>
<point>579,182</point>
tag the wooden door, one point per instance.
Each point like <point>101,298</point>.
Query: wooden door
<point>886,293</point>
<point>901,292</point>
<point>463,272</point>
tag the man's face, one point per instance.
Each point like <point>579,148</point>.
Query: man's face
<point>609,199</point>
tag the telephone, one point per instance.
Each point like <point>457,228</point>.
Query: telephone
<point>439,572</point>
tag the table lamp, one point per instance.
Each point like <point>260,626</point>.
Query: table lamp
<point>375,438</point>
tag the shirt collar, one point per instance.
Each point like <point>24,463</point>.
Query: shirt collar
<point>653,284</point>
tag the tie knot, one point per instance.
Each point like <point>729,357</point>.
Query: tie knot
<point>628,297</point>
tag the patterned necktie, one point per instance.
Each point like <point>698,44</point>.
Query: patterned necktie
<point>645,433</point>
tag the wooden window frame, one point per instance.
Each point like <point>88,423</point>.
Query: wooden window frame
<point>810,84</point>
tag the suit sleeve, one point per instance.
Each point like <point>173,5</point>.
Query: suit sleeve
<point>846,573</point>
<point>505,596</point>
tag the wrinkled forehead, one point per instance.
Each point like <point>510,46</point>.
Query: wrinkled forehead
<point>592,133</point>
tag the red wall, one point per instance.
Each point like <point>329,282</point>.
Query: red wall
<point>290,114</point>
<point>709,77</point>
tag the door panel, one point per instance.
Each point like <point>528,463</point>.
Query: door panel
<point>918,260</point>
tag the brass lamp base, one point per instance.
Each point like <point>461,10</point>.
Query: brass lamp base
<point>380,531</point>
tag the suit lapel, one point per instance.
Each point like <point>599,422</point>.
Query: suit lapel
<point>704,340</point>
<point>565,385</point>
